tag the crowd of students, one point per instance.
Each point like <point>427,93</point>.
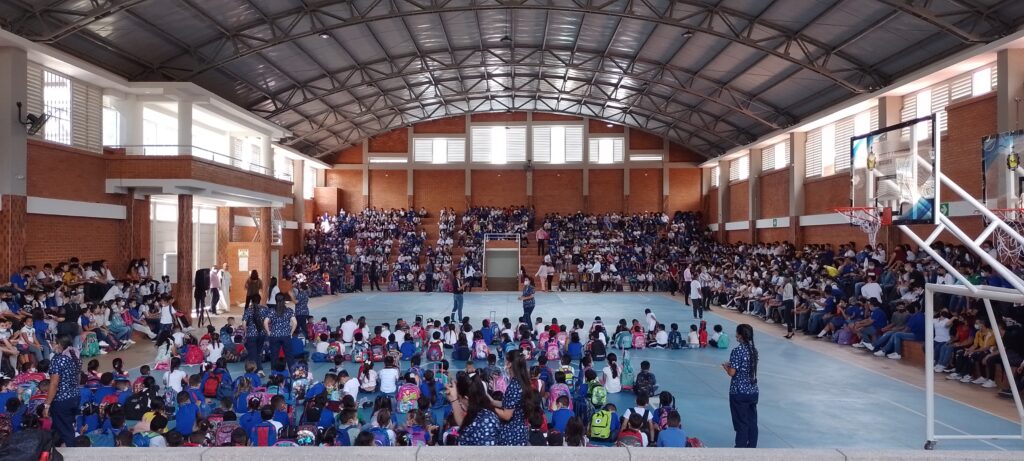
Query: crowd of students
<point>393,385</point>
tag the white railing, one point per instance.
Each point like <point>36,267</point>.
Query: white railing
<point>195,151</point>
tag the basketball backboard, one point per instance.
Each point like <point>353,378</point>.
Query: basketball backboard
<point>1001,171</point>
<point>894,168</point>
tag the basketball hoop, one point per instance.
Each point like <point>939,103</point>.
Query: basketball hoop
<point>1009,249</point>
<point>869,219</point>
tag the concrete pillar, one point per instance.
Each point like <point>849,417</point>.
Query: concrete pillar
<point>625,189</point>
<point>263,250</point>
<point>366,185</point>
<point>753,196</point>
<point>183,287</point>
<point>469,184</point>
<point>890,109</point>
<point>723,197</point>
<point>267,154</point>
<point>1010,94</point>
<point>130,126</point>
<point>529,187</point>
<point>298,200</point>
<point>13,160</point>
<point>797,171</point>
<point>665,187</point>
<point>185,126</point>
<point>410,182</point>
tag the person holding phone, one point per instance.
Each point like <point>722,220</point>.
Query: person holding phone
<point>743,391</point>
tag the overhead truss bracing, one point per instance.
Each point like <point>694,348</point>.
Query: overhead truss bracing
<point>707,74</point>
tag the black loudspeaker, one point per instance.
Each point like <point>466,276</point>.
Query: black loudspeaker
<point>202,279</point>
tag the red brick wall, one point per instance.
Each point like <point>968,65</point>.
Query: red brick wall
<point>601,126</point>
<point>499,188</point>
<point>551,117</point>
<point>140,167</point>
<point>450,125</point>
<point>392,142</point>
<point>735,236</point>
<point>642,140</point>
<point>328,200</point>
<point>436,189</point>
<point>822,195</point>
<point>711,214</point>
<point>388,189</point>
<point>774,193</point>
<point>606,191</point>
<point>66,173</point>
<point>349,155</point>
<point>645,190</point>
<point>969,121</point>
<point>738,205</point>
<point>499,117</point>
<point>838,233</point>
<point>557,191</point>
<point>51,239</point>
<point>351,183</point>
<point>776,234</point>
<point>678,153</point>
<point>13,233</point>
<point>684,190</point>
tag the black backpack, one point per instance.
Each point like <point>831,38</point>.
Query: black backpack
<point>136,406</point>
<point>597,351</point>
<point>29,445</point>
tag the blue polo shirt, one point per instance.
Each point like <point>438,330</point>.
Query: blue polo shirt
<point>185,419</point>
<point>673,437</point>
<point>879,319</point>
<point>855,312</point>
<point>916,324</point>
<point>560,418</point>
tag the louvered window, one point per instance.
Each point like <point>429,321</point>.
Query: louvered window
<point>739,169</point>
<point>716,173</point>
<point>439,150</point>
<point>57,102</point>
<point>812,164</point>
<point>606,150</point>
<point>844,131</point>
<point>498,144</point>
<point>775,156</point>
<point>558,144</point>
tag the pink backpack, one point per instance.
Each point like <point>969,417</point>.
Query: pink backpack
<point>434,352</point>
<point>222,435</point>
<point>552,351</point>
<point>407,397</point>
<point>480,350</point>
<point>639,342</point>
<point>555,392</point>
<point>500,383</point>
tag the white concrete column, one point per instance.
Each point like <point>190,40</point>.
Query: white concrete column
<point>753,189</point>
<point>185,126</point>
<point>267,154</point>
<point>723,193</point>
<point>1009,98</point>
<point>797,171</point>
<point>130,125</point>
<point>13,138</point>
<point>298,198</point>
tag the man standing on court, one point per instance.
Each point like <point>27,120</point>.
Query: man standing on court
<point>696,298</point>
<point>214,289</point>
<point>458,287</point>
<point>225,287</point>
<point>542,236</point>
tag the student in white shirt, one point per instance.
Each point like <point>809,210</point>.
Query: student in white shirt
<point>652,321</point>
<point>389,377</point>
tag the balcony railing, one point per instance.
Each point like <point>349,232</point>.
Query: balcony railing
<point>170,150</point>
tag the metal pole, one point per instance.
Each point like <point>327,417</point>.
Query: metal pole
<point>1006,362</point>
<point>929,374</point>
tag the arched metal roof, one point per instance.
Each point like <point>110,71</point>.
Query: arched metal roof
<point>710,75</point>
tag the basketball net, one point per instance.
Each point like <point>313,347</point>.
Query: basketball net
<point>1009,249</point>
<point>868,219</point>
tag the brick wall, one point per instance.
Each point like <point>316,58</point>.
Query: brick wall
<point>835,234</point>
<point>352,155</point>
<point>351,183</point>
<point>66,173</point>
<point>140,167</point>
<point>822,195</point>
<point>776,234</point>
<point>711,213</point>
<point>328,200</point>
<point>51,239</point>
<point>645,190</point>
<point>774,193</point>
<point>735,236</point>
<point>968,122</point>
<point>738,205</point>
<point>392,142</point>
<point>499,188</point>
<point>642,140</point>
<point>557,191</point>
<point>435,189</point>
<point>13,234</point>
<point>606,191</point>
<point>450,125</point>
<point>602,127</point>
<point>388,189</point>
<point>551,117</point>
<point>684,189</point>
<point>679,153</point>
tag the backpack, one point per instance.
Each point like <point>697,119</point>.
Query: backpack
<point>527,347</point>
<point>500,383</point>
<point>598,395</point>
<point>377,353</point>
<point>601,425</point>
<point>142,439</point>
<point>693,442</point>
<point>723,341</point>
<point>643,383</point>
<point>846,337</point>
<point>597,351</point>
<point>675,340</point>
<point>333,349</point>
<point>107,401</point>
<point>627,378</point>
<point>380,437</point>
<point>5,424</point>
<point>552,350</point>
<point>91,346</point>
<point>570,375</point>
<point>264,435</point>
<point>222,435</point>
<point>193,355</point>
<point>630,438</point>
<point>543,336</point>
<point>262,394</point>
<point>417,436</point>
<point>434,352</point>
<point>136,406</point>
<point>702,338</point>
<point>231,354</point>
<point>639,342</point>
<point>211,386</point>
<point>557,391</point>
<point>622,340</point>
<point>480,350</point>
<point>358,352</point>
<point>407,396</point>
<point>661,414</point>
<point>299,387</point>
<point>582,406</point>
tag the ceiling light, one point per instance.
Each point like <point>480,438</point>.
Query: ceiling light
<point>610,125</point>
<point>506,39</point>
<point>325,35</point>
<point>687,34</point>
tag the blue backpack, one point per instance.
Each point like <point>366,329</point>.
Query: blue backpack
<point>380,437</point>
<point>142,439</point>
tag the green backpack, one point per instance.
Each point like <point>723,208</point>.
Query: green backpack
<point>628,376</point>
<point>723,341</point>
<point>601,425</point>
<point>598,395</point>
<point>90,346</point>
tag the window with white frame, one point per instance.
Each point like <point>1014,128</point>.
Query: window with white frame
<point>308,182</point>
<point>715,176</point>
<point>775,156</point>
<point>498,145</point>
<point>111,126</point>
<point>607,150</point>
<point>845,130</point>
<point>828,150</point>
<point>739,169</point>
<point>558,144</point>
<point>57,103</point>
<point>439,150</point>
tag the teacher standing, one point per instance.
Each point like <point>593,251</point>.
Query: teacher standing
<point>743,392</point>
<point>458,288</point>
<point>63,394</point>
<point>279,326</point>
<point>528,302</point>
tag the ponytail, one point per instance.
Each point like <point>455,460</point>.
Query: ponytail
<point>613,363</point>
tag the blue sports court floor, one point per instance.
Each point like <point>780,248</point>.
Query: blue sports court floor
<point>808,399</point>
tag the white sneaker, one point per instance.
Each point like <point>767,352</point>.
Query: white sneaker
<point>103,352</point>
<point>939,369</point>
<point>104,344</point>
<point>953,375</point>
<point>879,353</point>
<point>869,346</point>
<point>858,345</point>
<point>966,379</point>
<point>980,380</point>
<point>988,384</point>
<point>895,356</point>
<point>769,321</point>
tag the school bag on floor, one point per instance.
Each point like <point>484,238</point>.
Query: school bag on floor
<point>675,340</point>
<point>623,340</point>
<point>627,378</point>
<point>435,353</point>
<point>407,396</point>
<point>601,425</point>
<point>597,351</point>
<point>630,438</point>
<point>693,442</point>
<point>380,437</point>
<point>582,406</point>
<point>723,341</point>
<point>598,395</point>
<point>639,342</point>
<point>193,355</point>
<point>212,385</point>
<point>480,350</point>
<point>557,391</point>
<point>643,383</point>
<point>90,346</point>
<point>377,353</point>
